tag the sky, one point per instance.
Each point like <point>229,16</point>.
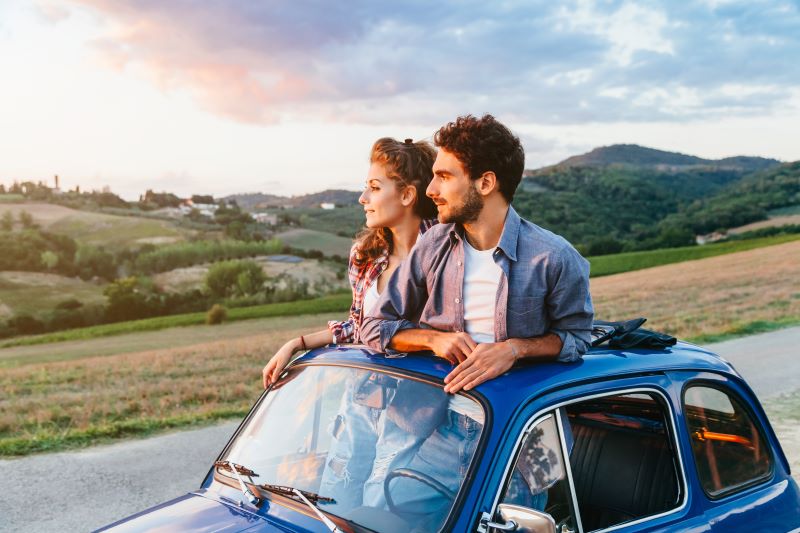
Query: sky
<point>287,96</point>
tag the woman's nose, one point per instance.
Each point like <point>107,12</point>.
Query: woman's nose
<point>363,198</point>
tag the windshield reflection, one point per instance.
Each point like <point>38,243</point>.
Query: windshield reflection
<point>360,436</point>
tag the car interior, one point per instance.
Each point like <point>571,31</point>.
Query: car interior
<point>622,460</point>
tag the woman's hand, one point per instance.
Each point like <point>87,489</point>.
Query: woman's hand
<point>278,362</point>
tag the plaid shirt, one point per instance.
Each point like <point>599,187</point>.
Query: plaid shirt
<point>361,279</point>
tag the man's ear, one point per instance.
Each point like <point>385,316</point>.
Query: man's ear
<point>487,183</point>
<point>408,196</point>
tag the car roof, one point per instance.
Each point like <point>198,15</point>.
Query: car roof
<point>528,379</point>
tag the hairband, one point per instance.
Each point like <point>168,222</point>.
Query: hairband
<point>409,141</point>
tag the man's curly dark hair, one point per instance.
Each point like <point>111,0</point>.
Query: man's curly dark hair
<point>483,145</point>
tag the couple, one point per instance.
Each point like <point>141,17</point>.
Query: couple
<point>482,289</point>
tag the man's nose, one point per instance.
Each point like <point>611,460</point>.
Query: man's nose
<point>431,191</point>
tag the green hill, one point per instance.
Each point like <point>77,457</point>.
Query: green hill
<point>641,156</point>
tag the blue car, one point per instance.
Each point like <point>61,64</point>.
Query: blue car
<point>624,440</point>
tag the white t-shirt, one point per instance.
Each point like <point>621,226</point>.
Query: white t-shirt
<point>481,279</point>
<point>370,297</point>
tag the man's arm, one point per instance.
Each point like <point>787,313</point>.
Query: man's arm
<point>399,306</point>
<point>489,360</point>
<point>455,347</point>
<point>569,304</point>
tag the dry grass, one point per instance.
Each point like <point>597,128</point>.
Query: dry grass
<point>707,297</point>
<point>61,404</point>
<point>102,393</point>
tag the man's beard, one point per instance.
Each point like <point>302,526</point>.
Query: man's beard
<point>469,210</point>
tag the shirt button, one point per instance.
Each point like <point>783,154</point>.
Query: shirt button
<point>457,300</point>
<point>459,263</point>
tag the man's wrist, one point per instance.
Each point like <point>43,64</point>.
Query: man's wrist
<point>515,352</point>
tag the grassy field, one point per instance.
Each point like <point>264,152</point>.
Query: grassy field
<point>93,398</point>
<point>309,239</point>
<point>77,393</point>
<point>34,292</point>
<point>99,229</point>
<point>606,265</point>
<point>334,303</point>
<point>709,299</point>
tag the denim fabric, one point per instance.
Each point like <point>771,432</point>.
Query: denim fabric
<point>445,456</point>
<point>544,288</point>
<point>366,446</point>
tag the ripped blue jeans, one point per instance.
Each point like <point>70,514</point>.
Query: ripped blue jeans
<point>366,446</point>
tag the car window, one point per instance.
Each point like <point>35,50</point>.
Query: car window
<point>623,459</point>
<point>391,452</point>
<point>538,480</point>
<point>728,448</point>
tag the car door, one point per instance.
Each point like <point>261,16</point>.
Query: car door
<point>617,464</point>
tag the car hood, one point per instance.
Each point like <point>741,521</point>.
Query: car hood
<point>194,512</point>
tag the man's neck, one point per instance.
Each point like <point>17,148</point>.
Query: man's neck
<point>485,231</point>
<point>404,235</point>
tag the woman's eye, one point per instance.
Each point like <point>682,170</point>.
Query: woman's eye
<point>374,189</point>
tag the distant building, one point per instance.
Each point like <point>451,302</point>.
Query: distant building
<point>711,237</point>
<point>327,205</point>
<point>207,210</point>
<point>266,218</point>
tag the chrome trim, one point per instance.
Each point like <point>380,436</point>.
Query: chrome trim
<point>565,452</point>
<point>539,415</point>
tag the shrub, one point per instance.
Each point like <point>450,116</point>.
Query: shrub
<point>216,315</point>
<point>234,278</point>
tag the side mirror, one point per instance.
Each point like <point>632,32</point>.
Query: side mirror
<point>522,520</point>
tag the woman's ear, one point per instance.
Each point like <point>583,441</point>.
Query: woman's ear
<point>408,196</point>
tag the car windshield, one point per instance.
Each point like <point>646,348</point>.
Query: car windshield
<point>392,452</point>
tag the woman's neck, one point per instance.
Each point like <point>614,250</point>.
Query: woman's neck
<point>404,235</point>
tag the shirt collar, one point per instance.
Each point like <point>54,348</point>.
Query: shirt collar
<point>508,239</point>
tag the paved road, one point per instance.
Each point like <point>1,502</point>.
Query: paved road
<point>110,482</point>
<point>769,361</point>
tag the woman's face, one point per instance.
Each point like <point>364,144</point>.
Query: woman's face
<point>385,204</point>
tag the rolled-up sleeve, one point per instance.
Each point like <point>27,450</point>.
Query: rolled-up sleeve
<point>400,304</point>
<point>570,304</point>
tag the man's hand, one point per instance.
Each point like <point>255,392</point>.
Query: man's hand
<point>455,347</point>
<point>486,361</point>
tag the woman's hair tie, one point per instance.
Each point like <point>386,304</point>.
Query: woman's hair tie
<point>409,141</point>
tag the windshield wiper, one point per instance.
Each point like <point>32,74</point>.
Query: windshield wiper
<point>306,497</point>
<point>239,469</point>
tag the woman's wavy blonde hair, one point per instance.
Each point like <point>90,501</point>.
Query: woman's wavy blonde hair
<point>407,163</point>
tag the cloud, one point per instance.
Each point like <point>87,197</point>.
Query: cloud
<point>412,62</point>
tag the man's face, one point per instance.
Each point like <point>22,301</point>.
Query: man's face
<point>452,190</point>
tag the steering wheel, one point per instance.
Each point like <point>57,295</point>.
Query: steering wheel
<point>417,476</point>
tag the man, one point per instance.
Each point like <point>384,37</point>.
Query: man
<point>484,288</point>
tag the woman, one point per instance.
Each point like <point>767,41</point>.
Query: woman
<point>367,441</point>
<point>396,211</point>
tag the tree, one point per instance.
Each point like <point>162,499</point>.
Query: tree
<point>234,278</point>
<point>126,300</point>
<point>7,221</point>
<point>26,219</point>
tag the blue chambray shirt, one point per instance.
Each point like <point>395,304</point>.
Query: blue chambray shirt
<point>544,288</point>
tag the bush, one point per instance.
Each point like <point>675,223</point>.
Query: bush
<point>26,325</point>
<point>235,278</point>
<point>216,315</point>
<point>69,304</point>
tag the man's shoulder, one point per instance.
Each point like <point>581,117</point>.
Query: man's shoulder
<point>537,240</point>
<point>435,236</point>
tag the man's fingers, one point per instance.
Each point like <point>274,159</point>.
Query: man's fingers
<point>460,367</point>
<point>464,377</point>
<point>477,380</point>
<point>470,341</point>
